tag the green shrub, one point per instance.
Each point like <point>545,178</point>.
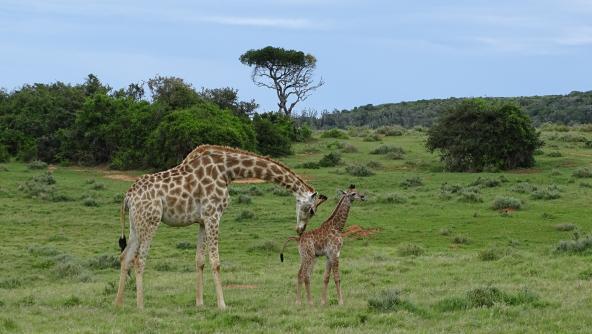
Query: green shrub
<point>180,131</point>
<point>524,187</point>
<point>118,198</point>
<point>486,182</point>
<point>267,246</point>
<point>580,244</point>
<point>374,164</point>
<point>359,170</point>
<point>245,215</point>
<point>42,187</point>
<point>37,164</point>
<point>334,133</point>
<point>460,240</point>
<point>477,133</point>
<point>244,199</point>
<point>349,148</point>
<point>72,301</point>
<point>330,160</point>
<point>384,149</point>
<point>280,191</point>
<point>373,137</point>
<point>255,191</point>
<point>390,301</point>
<point>491,254</point>
<point>274,132</point>
<point>98,186</point>
<point>357,131</point>
<point>393,130</point>
<point>583,172</point>
<point>470,195</point>
<point>410,250</point>
<point>506,203</point>
<point>393,198</point>
<point>547,193</point>
<point>395,155</point>
<point>410,182</point>
<point>565,227</point>
<point>104,262</point>
<point>89,200</point>
<point>185,245</point>
<point>554,154</point>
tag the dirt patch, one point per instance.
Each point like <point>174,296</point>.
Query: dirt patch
<point>51,168</point>
<point>120,177</point>
<point>359,232</point>
<point>240,286</point>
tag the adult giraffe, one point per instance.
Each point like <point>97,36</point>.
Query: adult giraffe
<point>196,192</point>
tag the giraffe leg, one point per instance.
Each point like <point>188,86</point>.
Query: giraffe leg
<point>212,241</point>
<point>199,265</point>
<point>145,235</point>
<point>326,277</point>
<point>307,274</point>
<point>125,260</point>
<point>337,281</point>
<point>299,283</point>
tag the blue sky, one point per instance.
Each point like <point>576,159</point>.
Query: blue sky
<point>368,51</point>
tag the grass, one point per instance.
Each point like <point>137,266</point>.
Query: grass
<point>59,274</point>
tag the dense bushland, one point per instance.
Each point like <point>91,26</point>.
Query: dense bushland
<point>91,123</point>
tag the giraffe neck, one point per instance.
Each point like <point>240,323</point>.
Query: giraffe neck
<point>234,164</point>
<point>339,216</point>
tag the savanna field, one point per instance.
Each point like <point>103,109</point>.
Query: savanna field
<point>491,252</point>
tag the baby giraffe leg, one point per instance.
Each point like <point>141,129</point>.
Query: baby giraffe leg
<point>299,283</point>
<point>337,281</point>
<point>326,277</point>
<point>307,274</point>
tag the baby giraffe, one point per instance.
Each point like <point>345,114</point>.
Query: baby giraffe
<point>325,240</point>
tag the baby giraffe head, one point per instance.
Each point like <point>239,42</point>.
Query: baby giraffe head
<point>353,194</point>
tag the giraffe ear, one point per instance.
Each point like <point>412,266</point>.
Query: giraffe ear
<point>314,195</point>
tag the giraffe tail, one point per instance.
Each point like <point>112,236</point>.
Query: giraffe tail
<point>122,240</point>
<point>284,247</point>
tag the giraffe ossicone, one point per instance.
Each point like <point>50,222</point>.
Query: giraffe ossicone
<point>196,192</point>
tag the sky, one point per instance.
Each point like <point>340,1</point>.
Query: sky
<point>367,51</point>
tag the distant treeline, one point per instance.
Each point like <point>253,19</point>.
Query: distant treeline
<point>91,123</point>
<point>574,108</point>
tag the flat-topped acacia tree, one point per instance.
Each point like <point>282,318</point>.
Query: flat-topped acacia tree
<point>288,72</point>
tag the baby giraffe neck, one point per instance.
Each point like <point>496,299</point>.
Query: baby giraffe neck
<point>340,214</point>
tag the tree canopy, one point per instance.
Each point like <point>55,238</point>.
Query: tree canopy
<point>478,135</point>
<point>288,72</point>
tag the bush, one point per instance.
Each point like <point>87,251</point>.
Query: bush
<point>273,131</point>
<point>180,131</point>
<point>72,301</point>
<point>330,160</point>
<point>393,198</point>
<point>349,148</point>
<point>185,245</point>
<point>390,301</point>
<point>554,154</point>
<point>245,215</point>
<point>580,244</point>
<point>524,187</point>
<point>118,198</point>
<point>460,240</point>
<point>501,203</point>
<point>359,170</point>
<point>547,193</point>
<point>104,262</point>
<point>486,182</point>
<point>488,297</point>
<point>42,187</point>
<point>470,195</point>
<point>583,172</point>
<point>334,133</point>
<point>384,149</point>
<point>265,246</point>
<point>357,131</point>
<point>395,155</point>
<point>565,227</point>
<point>476,134</point>
<point>374,164</point>
<point>373,137</point>
<point>410,250</point>
<point>98,186</point>
<point>490,254</point>
<point>278,191</point>
<point>37,164</point>
<point>89,200</point>
<point>394,130</point>
<point>244,199</point>
<point>414,181</point>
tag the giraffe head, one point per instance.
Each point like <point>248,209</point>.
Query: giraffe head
<point>353,194</point>
<point>306,207</point>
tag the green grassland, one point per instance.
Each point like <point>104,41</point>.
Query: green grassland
<point>443,261</point>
